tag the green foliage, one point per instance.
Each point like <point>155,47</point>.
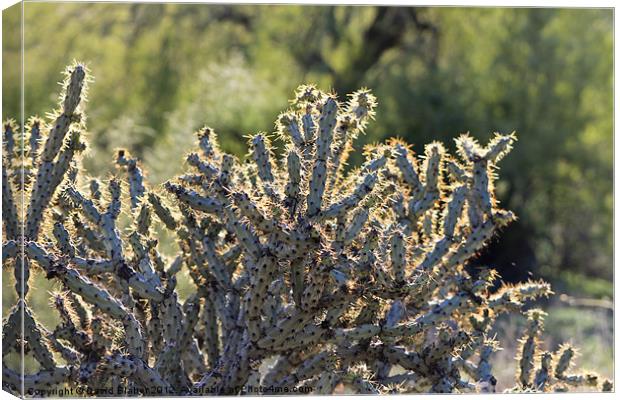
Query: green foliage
<point>545,73</point>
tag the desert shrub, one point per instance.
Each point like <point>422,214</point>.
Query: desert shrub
<point>307,277</point>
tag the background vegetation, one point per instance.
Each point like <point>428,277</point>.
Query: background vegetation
<point>164,70</point>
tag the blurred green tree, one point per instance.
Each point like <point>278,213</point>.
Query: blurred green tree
<point>164,70</point>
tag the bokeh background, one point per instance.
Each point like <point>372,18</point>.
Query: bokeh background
<point>161,71</point>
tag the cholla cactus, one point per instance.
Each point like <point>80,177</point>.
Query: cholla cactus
<point>551,369</point>
<point>306,275</point>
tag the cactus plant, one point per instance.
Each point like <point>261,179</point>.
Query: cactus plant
<point>307,274</point>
